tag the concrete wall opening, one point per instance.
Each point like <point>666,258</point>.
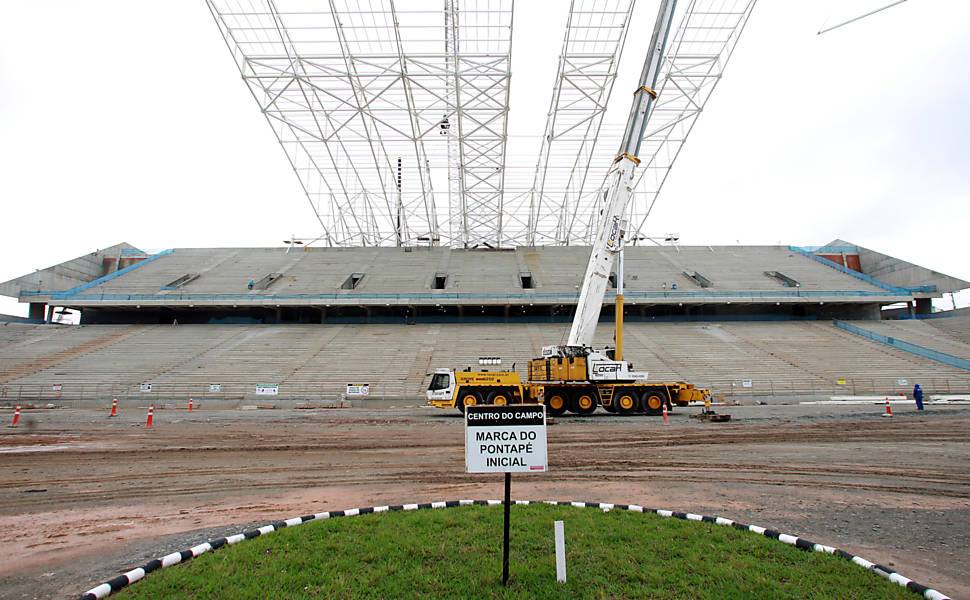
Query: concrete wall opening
<point>352,282</point>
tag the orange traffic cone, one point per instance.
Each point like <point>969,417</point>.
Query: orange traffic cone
<point>666,418</point>
<point>16,416</point>
<point>114,407</point>
<point>151,415</point>
<point>889,409</point>
<point>190,404</point>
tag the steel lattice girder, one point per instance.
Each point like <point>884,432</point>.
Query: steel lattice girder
<point>704,38</point>
<point>702,45</point>
<point>354,89</point>
<point>595,35</point>
<point>350,88</point>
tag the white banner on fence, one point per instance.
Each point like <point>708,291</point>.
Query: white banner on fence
<point>747,383</point>
<point>267,389</point>
<point>215,387</point>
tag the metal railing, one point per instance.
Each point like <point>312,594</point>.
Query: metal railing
<point>232,395</point>
<point>74,291</point>
<point>861,276</point>
<point>941,357</point>
<point>857,386</point>
<point>403,393</point>
<point>546,297</point>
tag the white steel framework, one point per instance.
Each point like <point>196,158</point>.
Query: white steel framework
<point>704,40</point>
<point>394,114</point>
<point>595,34</point>
<point>350,87</point>
<point>704,37</point>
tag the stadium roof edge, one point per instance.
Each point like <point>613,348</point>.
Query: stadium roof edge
<point>70,273</point>
<point>901,273</point>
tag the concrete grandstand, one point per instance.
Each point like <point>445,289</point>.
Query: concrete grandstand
<point>422,284</point>
<point>745,320</point>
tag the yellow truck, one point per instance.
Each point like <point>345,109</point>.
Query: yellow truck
<point>458,389</point>
<point>561,385</point>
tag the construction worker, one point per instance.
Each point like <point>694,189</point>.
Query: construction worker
<point>918,396</point>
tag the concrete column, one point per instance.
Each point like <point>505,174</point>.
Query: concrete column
<point>36,310</point>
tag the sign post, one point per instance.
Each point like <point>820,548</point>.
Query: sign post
<point>506,439</point>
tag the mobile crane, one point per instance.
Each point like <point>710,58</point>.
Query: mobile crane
<point>574,376</point>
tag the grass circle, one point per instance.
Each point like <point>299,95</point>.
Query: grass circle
<point>457,553</point>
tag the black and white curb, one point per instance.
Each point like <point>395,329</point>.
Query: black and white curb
<point>122,581</point>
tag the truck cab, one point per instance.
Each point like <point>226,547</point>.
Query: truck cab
<point>441,390</point>
<point>458,389</point>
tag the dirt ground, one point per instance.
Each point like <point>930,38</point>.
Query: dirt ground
<point>83,497</point>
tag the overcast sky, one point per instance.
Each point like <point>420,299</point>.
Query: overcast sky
<point>127,121</point>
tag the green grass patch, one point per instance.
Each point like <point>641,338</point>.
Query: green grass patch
<point>457,553</point>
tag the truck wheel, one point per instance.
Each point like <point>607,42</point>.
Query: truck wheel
<point>654,400</point>
<point>626,402</point>
<point>584,403</point>
<point>556,403</point>
<point>499,398</point>
<point>469,398</point>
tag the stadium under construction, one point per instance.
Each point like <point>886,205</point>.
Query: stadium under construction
<point>743,320</point>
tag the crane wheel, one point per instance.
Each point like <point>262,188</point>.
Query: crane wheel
<point>499,398</point>
<point>556,403</point>
<point>653,402</point>
<point>584,403</point>
<point>626,402</point>
<point>468,399</point>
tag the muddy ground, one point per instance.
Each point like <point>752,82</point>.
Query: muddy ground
<point>83,497</point>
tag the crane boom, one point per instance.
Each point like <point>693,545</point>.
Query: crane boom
<point>609,236</point>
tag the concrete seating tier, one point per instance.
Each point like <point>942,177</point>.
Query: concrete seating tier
<point>922,333</point>
<point>778,358</point>
<point>407,271</point>
<point>956,327</point>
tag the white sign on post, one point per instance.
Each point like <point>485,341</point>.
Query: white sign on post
<point>267,389</point>
<point>747,383</point>
<point>358,389</point>
<point>144,387</point>
<point>506,439</point>
<point>215,387</point>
